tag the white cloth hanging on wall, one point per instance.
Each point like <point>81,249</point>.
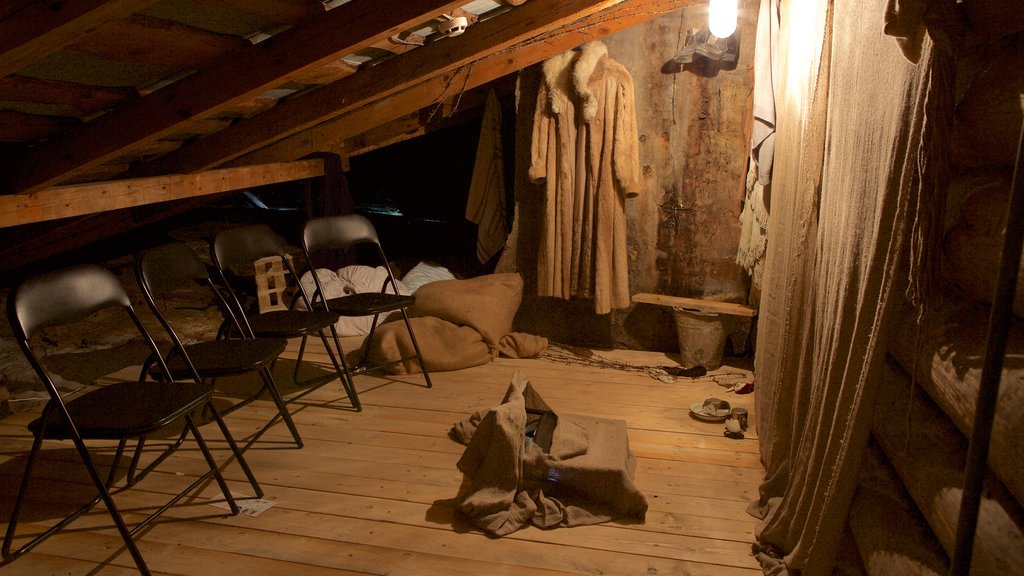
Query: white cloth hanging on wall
<point>766,82</point>
<point>754,217</point>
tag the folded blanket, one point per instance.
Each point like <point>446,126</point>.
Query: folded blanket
<point>458,324</point>
<point>510,481</point>
<point>486,303</point>
<point>445,346</point>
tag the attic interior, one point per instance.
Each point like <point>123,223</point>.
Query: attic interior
<point>844,171</point>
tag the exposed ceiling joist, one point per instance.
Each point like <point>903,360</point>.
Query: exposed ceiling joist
<point>332,135</point>
<point>68,201</point>
<point>424,121</point>
<point>41,28</point>
<point>386,79</point>
<point>333,118</point>
<point>236,79</point>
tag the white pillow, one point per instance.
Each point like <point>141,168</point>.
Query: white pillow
<point>349,280</point>
<point>368,279</point>
<point>425,272</point>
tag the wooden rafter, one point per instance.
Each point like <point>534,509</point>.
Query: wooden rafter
<point>139,38</point>
<point>424,121</point>
<point>239,78</point>
<point>436,59</point>
<point>68,201</point>
<point>420,85</point>
<point>42,28</point>
<point>83,99</point>
<point>332,135</point>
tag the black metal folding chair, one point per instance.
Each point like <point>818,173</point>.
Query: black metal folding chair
<point>355,231</point>
<point>121,411</point>
<point>235,252</point>
<point>173,266</point>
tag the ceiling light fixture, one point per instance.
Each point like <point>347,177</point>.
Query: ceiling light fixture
<point>722,16</point>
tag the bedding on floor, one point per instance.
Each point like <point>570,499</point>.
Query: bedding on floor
<point>357,279</point>
<point>584,477</point>
<point>458,324</point>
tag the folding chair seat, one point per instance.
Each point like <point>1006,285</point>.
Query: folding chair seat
<point>173,266</point>
<point>235,253</point>
<point>120,411</point>
<point>355,231</point>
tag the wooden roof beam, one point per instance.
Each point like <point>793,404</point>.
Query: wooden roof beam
<point>67,201</point>
<point>332,135</point>
<point>240,77</point>
<point>378,82</point>
<point>42,28</point>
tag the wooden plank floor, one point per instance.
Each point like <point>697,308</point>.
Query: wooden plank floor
<point>372,492</point>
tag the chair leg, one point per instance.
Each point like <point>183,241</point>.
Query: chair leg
<point>112,509</point>
<point>282,406</point>
<point>416,347</point>
<point>16,512</point>
<point>257,489</point>
<point>134,475</point>
<point>298,359</point>
<point>213,464</point>
<point>115,465</point>
<point>342,368</point>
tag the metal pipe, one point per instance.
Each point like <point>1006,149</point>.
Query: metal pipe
<point>1000,317</point>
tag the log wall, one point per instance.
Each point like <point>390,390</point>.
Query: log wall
<point>926,404</point>
<point>683,229</point>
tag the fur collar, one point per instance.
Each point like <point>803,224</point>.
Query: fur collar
<point>590,56</point>
<point>557,76</point>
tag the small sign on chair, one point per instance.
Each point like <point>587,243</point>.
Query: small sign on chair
<point>271,284</point>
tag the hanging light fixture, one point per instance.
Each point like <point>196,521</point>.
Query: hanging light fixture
<point>722,16</point>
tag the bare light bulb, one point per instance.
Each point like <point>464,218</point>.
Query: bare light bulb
<point>722,18</point>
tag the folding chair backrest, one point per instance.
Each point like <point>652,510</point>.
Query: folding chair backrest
<point>342,232</point>
<point>63,297</point>
<point>235,252</point>
<point>66,297</point>
<point>169,267</point>
<point>338,232</point>
<point>237,249</point>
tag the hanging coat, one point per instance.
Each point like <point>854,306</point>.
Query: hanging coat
<point>485,205</point>
<point>608,172</point>
<point>553,161</point>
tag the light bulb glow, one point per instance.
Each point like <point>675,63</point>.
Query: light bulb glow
<point>722,17</point>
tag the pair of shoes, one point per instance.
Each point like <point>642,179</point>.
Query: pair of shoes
<point>711,410</point>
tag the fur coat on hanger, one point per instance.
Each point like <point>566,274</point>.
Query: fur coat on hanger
<point>585,149</point>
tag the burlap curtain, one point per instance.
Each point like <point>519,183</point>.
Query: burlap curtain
<point>850,119</point>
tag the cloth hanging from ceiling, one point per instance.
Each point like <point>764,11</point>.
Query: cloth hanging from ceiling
<point>848,151</point>
<point>754,218</point>
<point>485,206</point>
<point>585,150</point>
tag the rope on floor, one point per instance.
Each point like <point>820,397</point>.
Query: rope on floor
<point>578,356</point>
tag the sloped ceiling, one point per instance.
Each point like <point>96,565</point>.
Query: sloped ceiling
<point>109,104</point>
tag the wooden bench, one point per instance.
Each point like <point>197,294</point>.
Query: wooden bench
<point>696,304</point>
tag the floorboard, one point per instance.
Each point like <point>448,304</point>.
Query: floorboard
<point>374,492</point>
